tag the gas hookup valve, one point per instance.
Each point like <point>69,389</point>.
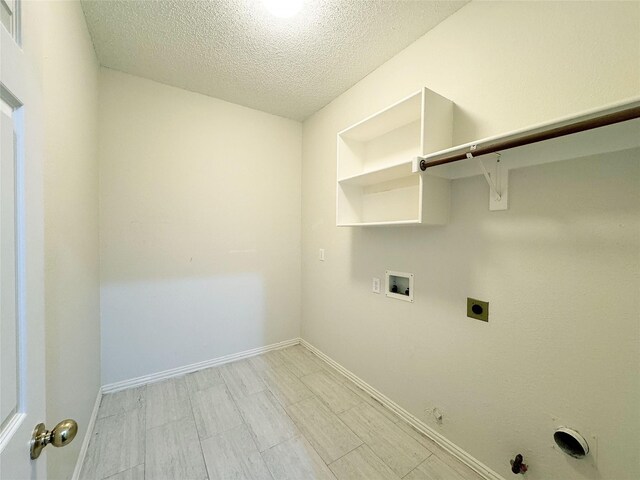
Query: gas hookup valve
<point>518,465</point>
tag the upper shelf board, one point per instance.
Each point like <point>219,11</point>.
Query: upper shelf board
<point>407,110</point>
<point>611,138</point>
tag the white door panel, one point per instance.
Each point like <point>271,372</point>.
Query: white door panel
<point>8,291</point>
<point>22,390</point>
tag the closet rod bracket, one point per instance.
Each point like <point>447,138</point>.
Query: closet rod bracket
<point>497,180</point>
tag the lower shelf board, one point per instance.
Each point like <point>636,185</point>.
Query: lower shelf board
<point>380,224</point>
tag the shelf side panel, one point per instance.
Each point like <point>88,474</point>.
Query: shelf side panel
<point>437,124</point>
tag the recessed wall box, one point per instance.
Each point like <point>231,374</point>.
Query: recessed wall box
<point>399,285</point>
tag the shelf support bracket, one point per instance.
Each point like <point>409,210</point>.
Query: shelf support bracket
<point>497,180</point>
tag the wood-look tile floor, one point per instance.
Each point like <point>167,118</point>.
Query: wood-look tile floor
<point>282,415</point>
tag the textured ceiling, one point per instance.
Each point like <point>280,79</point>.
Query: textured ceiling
<point>237,51</point>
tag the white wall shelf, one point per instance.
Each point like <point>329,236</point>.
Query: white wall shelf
<point>377,184</point>
<point>605,139</point>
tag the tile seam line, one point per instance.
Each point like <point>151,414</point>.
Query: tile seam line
<point>193,417</point>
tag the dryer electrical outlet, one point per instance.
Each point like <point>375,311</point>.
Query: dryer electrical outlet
<point>478,309</point>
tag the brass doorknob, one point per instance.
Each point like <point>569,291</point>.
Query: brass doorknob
<point>61,435</point>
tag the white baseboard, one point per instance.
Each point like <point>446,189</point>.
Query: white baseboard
<point>175,372</point>
<point>87,437</point>
<point>416,423</point>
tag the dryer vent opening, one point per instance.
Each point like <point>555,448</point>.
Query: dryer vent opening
<point>571,442</point>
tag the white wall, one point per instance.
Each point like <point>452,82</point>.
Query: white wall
<point>559,268</point>
<point>72,295</point>
<point>199,227</point>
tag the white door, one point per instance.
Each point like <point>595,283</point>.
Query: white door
<point>22,390</point>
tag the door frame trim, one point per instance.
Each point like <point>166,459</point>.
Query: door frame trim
<point>87,436</point>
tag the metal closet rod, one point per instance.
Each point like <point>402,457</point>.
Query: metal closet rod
<point>553,132</point>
